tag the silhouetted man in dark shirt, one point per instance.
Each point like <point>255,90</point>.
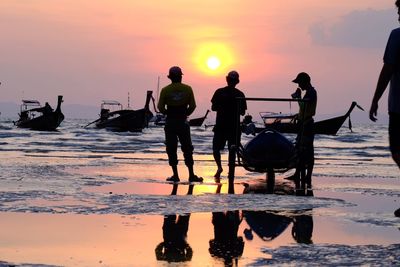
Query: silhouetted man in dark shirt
<point>227,124</point>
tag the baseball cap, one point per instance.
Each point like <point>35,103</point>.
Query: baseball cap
<point>234,75</point>
<point>175,71</point>
<point>302,77</point>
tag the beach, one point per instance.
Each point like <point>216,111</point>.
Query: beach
<point>89,197</point>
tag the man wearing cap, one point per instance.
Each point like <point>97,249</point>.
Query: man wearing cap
<point>227,124</point>
<point>305,136</point>
<point>177,103</point>
<point>390,72</point>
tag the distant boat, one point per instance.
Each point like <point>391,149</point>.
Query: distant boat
<point>36,117</point>
<point>288,123</point>
<point>198,121</point>
<point>159,120</point>
<point>114,117</point>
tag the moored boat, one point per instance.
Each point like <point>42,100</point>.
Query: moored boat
<point>36,117</point>
<point>198,121</point>
<point>289,123</point>
<point>114,117</point>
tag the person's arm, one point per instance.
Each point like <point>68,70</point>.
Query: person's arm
<point>161,103</point>
<point>243,106</point>
<point>383,81</point>
<point>192,103</point>
<point>214,102</point>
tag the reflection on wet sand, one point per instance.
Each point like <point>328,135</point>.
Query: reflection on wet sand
<point>175,247</point>
<point>269,224</point>
<point>227,245</point>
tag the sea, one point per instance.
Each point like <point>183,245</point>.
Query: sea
<point>84,171</point>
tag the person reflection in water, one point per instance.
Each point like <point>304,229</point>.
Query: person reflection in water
<point>175,247</point>
<point>226,245</point>
<point>302,229</point>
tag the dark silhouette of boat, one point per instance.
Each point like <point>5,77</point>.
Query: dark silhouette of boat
<point>289,123</point>
<point>267,150</point>
<point>33,116</point>
<point>198,121</point>
<point>266,224</point>
<point>115,118</point>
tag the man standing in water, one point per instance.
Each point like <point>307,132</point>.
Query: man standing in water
<point>227,124</point>
<point>305,136</point>
<point>177,103</point>
<point>391,72</point>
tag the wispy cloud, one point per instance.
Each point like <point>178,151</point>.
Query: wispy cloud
<point>362,28</point>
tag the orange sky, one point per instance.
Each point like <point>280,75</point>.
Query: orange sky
<point>94,50</point>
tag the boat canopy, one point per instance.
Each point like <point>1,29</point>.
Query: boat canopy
<point>110,102</point>
<point>29,104</point>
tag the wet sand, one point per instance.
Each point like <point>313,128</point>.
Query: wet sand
<point>361,231</point>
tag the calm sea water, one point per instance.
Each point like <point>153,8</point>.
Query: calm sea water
<point>78,170</point>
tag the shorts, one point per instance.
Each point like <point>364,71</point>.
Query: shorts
<point>394,132</point>
<point>221,137</point>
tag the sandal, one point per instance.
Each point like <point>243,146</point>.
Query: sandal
<point>173,179</point>
<point>195,178</point>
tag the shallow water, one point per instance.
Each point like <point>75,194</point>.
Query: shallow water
<point>106,191</point>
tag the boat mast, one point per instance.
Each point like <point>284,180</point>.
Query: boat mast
<point>129,105</point>
<point>158,87</point>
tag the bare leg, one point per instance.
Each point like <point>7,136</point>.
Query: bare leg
<point>217,158</point>
<point>175,175</point>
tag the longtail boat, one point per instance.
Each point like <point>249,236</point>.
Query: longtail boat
<point>288,123</point>
<point>114,117</point>
<point>36,117</point>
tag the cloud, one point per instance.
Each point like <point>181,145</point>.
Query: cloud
<point>362,29</point>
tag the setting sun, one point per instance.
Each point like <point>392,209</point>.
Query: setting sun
<point>213,63</point>
<point>213,58</point>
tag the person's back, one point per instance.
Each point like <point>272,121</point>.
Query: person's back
<point>178,97</point>
<point>226,105</point>
<point>227,124</point>
<point>177,103</point>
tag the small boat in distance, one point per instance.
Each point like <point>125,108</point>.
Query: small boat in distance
<point>114,117</point>
<point>33,116</point>
<point>198,121</point>
<point>288,123</point>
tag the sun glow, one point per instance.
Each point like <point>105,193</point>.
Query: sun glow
<point>213,58</point>
<point>213,62</point>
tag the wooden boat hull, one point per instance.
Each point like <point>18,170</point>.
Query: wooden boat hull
<point>48,122</point>
<point>328,127</point>
<point>198,121</point>
<point>127,119</point>
<point>45,122</point>
<point>131,120</point>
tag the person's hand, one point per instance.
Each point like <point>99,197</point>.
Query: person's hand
<point>297,94</point>
<point>373,111</point>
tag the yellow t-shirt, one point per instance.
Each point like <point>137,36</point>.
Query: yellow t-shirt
<point>177,100</point>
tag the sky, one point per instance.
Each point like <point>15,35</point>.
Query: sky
<point>91,50</point>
